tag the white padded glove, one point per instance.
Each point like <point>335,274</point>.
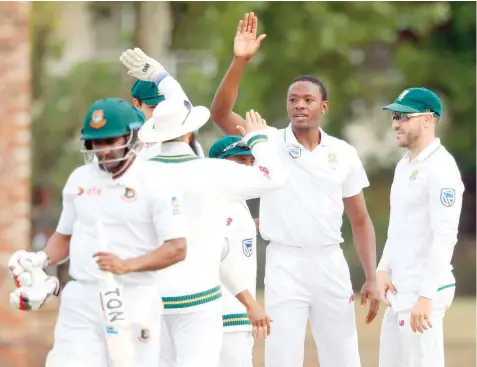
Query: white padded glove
<point>21,264</point>
<point>141,66</point>
<point>41,290</point>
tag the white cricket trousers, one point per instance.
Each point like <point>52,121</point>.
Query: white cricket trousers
<point>192,339</point>
<point>309,284</point>
<point>80,331</point>
<point>401,347</point>
<point>237,349</point>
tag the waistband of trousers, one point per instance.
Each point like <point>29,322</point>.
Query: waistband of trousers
<point>190,300</point>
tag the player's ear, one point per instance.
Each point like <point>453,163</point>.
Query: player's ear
<point>137,103</point>
<point>324,107</point>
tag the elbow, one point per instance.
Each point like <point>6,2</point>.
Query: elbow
<point>362,222</point>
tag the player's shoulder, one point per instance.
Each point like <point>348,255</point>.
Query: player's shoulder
<point>442,165</point>
<point>339,145</point>
<point>82,173</point>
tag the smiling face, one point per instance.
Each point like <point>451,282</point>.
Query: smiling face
<point>305,105</point>
<point>409,130</point>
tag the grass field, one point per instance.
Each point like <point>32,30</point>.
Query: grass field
<point>459,324</point>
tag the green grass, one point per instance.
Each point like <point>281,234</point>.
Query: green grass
<point>459,329</point>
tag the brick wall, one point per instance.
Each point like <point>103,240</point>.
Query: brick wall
<point>14,171</point>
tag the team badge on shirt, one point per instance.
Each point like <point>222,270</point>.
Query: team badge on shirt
<point>413,175</point>
<point>97,119</point>
<point>247,247</point>
<point>129,195</point>
<point>176,207</point>
<point>447,197</point>
<point>333,160</point>
<point>294,151</point>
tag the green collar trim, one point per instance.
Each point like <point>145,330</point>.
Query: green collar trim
<point>174,158</point>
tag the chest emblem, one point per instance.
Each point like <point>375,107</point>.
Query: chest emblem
<point>129,195</point>
<point>294,151</point>
<point>413,175</point>
<point>333,160</point>
<point>247,247</point>
<point>176,207</point>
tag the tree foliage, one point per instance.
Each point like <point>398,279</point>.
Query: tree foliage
<point>365,52</point>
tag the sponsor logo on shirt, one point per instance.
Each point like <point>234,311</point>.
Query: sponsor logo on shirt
<point>401,322</point>
<point>264,170</point>
<point>176,207</point>
<point>229,222</point>
<point>447,197</point>
<point>351,299</point>
<point>129,195</point>
<point>294,151</point>
<point>91,191</point>
<point>247,247</point>
<point>333,160</point>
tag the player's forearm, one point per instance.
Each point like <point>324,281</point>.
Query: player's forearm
<point>226,95</point>
<point>57,248</point>
<point>170,88</point>
<point>246,299</point>
<point>365,243</point>
<point>170,253</point>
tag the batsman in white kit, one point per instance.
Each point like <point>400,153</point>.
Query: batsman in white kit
<point>241,241</point>
<point>306,275</point>
<point>119,217</point>
<point>191,290</point>
<point>414,275</point>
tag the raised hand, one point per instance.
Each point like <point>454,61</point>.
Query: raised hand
<point>253,122</point>
<point>140,65</point>
<point>246,42</point>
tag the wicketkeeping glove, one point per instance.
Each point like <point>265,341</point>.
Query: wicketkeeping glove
<point>141,66</point>
<point>22,263</point>
<point>31,298</point>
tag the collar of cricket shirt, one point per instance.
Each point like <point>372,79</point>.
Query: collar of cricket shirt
<point>290,138</point>
<point>426,153</point>
<point>175,152</point>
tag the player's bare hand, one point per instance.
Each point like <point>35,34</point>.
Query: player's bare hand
<point>246,42</point>
<point>384,284</point>
<point>421,315</point>
<point>253,122</point>
<point>110,262</point>
<point>369,293</point>
<point>259,319</point>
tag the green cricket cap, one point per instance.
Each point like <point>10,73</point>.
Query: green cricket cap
<point>111,118</point>
<point>228,146</point>
<point>147,92</point>
<point>414,100</point>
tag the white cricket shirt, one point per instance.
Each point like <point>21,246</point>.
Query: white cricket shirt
<point>209,186</point>
<point>138,211</point>
<point>241,254</point>
<point>308,210</point>
<point>426,202</point>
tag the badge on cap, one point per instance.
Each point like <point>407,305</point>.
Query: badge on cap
<point>447,197</point>
<point>97,119</point>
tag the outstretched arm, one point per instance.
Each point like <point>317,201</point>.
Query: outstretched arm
<point>246,44</point>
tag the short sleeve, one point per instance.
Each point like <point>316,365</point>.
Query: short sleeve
<point>356,180</point>
<point>167,214</point>
<point>68,213</point>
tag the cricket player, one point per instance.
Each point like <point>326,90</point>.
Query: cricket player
<point>191,306</point>
<point>119,216</point>
<point>306,275</point>
<point>237,344</point>
<point>414,275</point>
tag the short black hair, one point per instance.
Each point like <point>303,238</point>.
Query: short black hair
<point>312,79</point>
